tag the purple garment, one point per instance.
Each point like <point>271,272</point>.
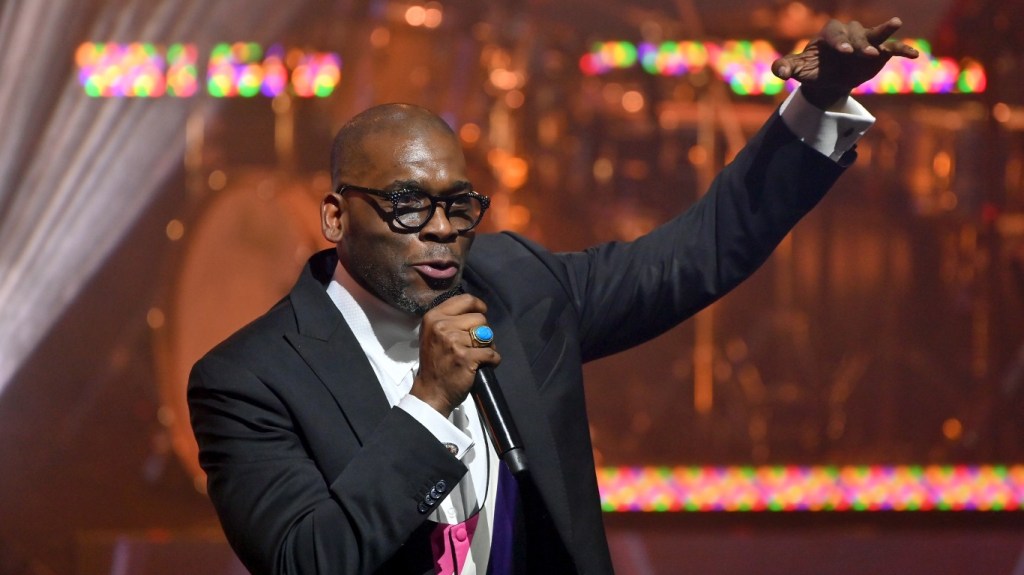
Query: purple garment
<point>450,543</point>
<point>502,539</point>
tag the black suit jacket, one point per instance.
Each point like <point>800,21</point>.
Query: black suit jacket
<point>312,472</point>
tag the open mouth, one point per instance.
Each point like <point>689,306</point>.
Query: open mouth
<point>438,270</point>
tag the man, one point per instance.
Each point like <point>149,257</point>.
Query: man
<point>336,430</point>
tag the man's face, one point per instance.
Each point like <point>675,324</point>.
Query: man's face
<point>406,269</point>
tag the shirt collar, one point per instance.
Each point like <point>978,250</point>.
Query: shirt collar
<point>395,331</point>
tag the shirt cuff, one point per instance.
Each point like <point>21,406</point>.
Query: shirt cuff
<point>833,132</point>
<point>445,431</point>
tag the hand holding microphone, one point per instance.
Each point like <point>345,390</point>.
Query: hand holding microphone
<point>457,358</point>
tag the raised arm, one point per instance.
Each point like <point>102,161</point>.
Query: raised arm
<point>627,293</point>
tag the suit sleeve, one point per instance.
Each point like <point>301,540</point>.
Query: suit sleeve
<point>628,292</point>
<point>281,511</point>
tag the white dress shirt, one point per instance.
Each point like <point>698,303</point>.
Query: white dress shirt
<point>390,340</point>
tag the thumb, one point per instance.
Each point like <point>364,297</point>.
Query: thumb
<point>783,67</point>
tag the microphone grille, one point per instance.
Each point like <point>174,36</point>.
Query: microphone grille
<point>457,290</point>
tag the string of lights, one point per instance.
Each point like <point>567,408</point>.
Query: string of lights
<point>817,488</point>
<point>745,65</point>
<point>240,69</point>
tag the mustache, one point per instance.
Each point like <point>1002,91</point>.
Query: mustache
<point>437,252</point>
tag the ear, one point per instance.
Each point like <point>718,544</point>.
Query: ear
<point>333,217</point>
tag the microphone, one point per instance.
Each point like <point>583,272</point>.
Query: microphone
<point>491,402</point>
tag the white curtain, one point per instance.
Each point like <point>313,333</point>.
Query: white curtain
<point>76,172</point>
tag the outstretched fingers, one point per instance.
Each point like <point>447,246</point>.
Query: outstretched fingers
<point>883,31</point>
<point>860,41</point>
<point>837,35</point>
<point>881,36</point>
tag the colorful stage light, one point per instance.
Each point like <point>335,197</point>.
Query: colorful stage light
<point>746,66</point>
<point>275,73</point>
<point>114,70</point>
<point>233,70</point>
<point>110,70</point>
<point>676,58</point>
<point>926,75</point>
<point>607,56</point>
<point>317,74</point>
<point>182,76</point>
<point>824,488</point>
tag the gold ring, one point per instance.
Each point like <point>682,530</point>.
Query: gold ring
<point>481,336</point>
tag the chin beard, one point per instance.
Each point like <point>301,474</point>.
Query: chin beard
<point>396,293</point>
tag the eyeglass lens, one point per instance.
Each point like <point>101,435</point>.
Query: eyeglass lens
<point>413,209</point>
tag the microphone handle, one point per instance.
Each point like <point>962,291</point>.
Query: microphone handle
<point>491,403</point>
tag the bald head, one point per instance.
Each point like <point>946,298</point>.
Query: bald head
<point>349,156</point>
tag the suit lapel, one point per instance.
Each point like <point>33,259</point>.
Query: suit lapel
<point>331,351</point>
<point>528,411</point>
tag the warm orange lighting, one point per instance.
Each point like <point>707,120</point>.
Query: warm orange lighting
<point>948,201</point>
<point>469,133</point>
<point>698,155</point>
<point>548,130</point>
<point>416,15</point>
<point>380,37</point>
<point>155,318</point>
<point>942,164</point>
<point>513,174</point>
<point>504,79</point>
<point>1001,112</point>
<point>703,372</point>
<point>518,217</point>
<point>175,230</point>
<point>217,180</point>
<point>497,157</point>
<point>736,350</point>
<point>603,170</point>
<point>722,370</point>
<point>281,104</point>
<point>433,15</point>
<point>420,76</point>
<point>636,169</point>
<point>294,58</point>
<point>165,415</point>
<point>952,429</point>
<point>668,120</point>
<point>632,101</point>
<point>612,93</point>
<point>514,99</point>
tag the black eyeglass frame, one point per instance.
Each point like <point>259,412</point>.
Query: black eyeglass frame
<point>393,196</point>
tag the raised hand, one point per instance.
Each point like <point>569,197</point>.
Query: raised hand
<point>842,57</point>
<point>448,358</point>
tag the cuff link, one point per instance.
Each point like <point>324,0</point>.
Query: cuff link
<point>452,448</point>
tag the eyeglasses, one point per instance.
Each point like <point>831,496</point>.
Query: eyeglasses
<point>412,209</point>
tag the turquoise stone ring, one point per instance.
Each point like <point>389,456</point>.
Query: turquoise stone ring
<point>481,335</point>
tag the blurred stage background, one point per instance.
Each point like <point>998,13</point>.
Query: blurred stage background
<point>853,408</point>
